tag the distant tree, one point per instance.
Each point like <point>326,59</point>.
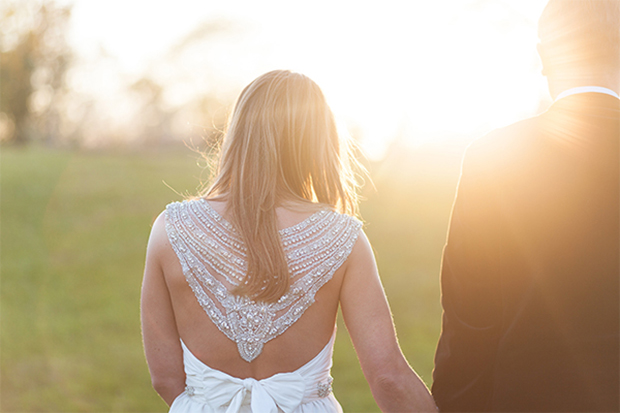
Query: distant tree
<point>153,116</point>
<point>34,58</point>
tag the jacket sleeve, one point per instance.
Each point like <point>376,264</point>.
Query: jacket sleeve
<point>470,296</point>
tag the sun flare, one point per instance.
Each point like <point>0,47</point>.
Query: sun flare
<point>410,71</point>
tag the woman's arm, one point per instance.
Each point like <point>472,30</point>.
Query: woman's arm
<point>162,346</point>
<point>394,385</point>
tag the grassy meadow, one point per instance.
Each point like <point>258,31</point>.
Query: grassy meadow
<point>74,227</point>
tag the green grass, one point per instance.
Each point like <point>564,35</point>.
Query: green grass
<point>74,228</point>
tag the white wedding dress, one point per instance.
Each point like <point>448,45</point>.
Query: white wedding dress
<point>213,260</point>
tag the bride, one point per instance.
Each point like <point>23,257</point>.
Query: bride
<point>242,286</point>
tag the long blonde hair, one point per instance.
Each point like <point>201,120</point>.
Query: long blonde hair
<point>281,146</point>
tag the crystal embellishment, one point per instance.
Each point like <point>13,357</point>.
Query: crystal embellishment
<point>325,388</point>
<point>212,257</point>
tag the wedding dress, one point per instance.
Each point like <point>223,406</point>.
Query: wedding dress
<point>212,257</point>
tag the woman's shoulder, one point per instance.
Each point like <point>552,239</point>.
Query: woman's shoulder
<point>305,210</point>
<point>158,238</point>
<point>292,218</point>
<point>188,209</point>
<point>323,220</point>
<point>347,219</point>
<point>185,203</point>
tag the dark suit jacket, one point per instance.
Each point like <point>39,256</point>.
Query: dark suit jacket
<point>530,270</point>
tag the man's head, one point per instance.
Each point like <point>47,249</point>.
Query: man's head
<point>580,41</point>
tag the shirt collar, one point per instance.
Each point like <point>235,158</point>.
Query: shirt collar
<point>586,89</point>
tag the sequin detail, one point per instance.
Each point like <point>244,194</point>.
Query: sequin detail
<point>213,259</point>
<point>324,389</point>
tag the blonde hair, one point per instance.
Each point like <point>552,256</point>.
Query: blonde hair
<point>281,145</point>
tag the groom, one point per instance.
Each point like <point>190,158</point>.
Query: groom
<point>531,266</point>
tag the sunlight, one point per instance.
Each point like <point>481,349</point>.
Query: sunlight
<point>406,70</point>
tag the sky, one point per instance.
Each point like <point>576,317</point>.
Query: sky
<point>391,70</point>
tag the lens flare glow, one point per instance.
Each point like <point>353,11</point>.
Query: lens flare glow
<point>410,71</point>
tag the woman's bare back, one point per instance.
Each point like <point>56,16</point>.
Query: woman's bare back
<point>288,351</point>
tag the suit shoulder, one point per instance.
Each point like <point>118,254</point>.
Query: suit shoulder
<point>507,138</point>
<point>500,148</point>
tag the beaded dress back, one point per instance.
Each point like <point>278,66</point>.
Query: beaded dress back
<point>213,259</point>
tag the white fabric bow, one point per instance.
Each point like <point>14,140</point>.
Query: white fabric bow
<point>283,390</point>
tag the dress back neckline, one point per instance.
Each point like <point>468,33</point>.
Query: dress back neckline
<point>213,259</point>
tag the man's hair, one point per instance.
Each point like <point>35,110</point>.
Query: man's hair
<point>581,34</point>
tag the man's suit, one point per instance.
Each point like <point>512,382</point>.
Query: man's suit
<point>531,267</point>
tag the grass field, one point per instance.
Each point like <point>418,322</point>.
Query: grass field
<point>74,228</point>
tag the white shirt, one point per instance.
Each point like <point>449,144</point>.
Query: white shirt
<point>586,89</point>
